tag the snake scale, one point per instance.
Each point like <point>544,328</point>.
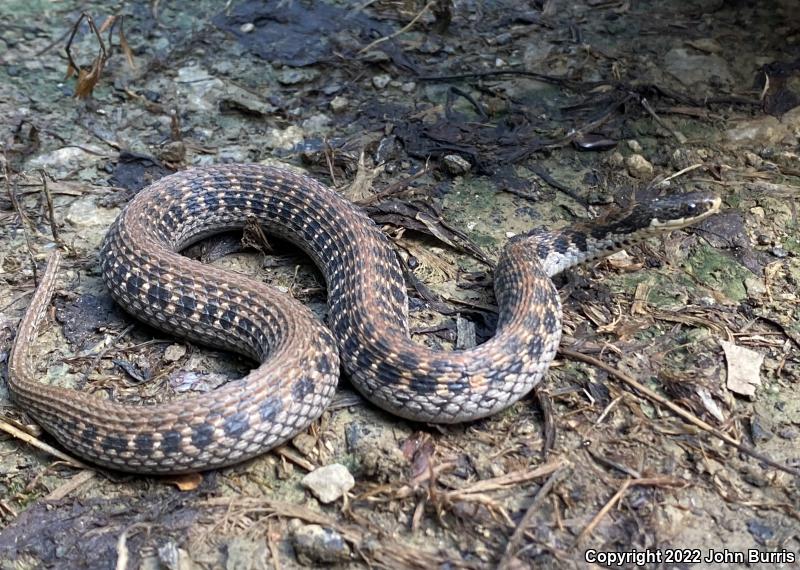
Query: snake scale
<point>299,357</point>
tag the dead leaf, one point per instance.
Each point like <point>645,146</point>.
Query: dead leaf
<point>361,187</point>
<point>187,481</point>
<point>744,367</point>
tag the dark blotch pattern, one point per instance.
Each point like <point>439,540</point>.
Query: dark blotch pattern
<point>202,436</point>
<point>302,388</point>
<point>158,295</point>
<point>171,443</point>
<point>115,442</point>
<point>187,305</point>
<point>270,408</point>
<point>143,443</point>
<point>89,434</point>
<point>236,425</point>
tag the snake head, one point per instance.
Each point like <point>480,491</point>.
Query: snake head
<point>680,210</point>
<point>662,214</point>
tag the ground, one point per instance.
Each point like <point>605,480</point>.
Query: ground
<point>457,125</point>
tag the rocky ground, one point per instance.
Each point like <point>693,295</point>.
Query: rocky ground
<point>456,125</point>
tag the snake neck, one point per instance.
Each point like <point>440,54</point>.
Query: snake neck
<point>559,250</point>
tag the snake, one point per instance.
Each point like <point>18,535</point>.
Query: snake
<point>367,333</point>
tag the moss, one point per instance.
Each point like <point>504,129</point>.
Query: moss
<point>718,272</point>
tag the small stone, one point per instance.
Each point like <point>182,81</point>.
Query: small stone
<point>174,352</point>
<point>339,104</point>
<point>316,123</point>
<point>246,28</point>
<point>172,152</point>
<point>293,76</point>
<point>638,167</point>
<point>634,146</point>
<point>755,287</point>
<point>779,252</point>
<point>329,483</point>
<point>376,56</point>
<point>286,138</point>
<point>759,431</point>
<point>752,159</point>
<point>408,87</point>
<point>314,544</point>
<point>456,165</point>
<point>503,39</point>
<point>615,159</point>
<point>237,99</point>
<point>381,81</point>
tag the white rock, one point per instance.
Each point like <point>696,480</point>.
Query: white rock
<point>329,483</point>
<point>634,145</point>
<point>339,104</point>
<point>456,165</point>
<point>381,81</point>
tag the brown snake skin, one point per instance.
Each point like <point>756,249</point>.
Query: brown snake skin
<point>299,356</point>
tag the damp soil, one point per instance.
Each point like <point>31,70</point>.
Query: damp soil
<point>456,125</point>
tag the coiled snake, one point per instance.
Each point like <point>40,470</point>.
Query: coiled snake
<point>300,358</point>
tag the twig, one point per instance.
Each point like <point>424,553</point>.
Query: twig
<point>35,442</point>
<point>290,455</point>
<point>402,30</point>
<point>680,137</point>
<point>545,401</point>
<point>649,481</point>
<point>603,512</point>
<point>50,211</point>
<point>75,482</point>
<point>688,416</point>
<point>519,532</point>
<point>395,188</point>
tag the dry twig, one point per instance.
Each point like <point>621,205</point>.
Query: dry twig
<point>685,414</point>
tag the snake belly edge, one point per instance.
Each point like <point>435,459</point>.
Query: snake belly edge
<point>368,318</point>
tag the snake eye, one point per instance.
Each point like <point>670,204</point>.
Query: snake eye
<point>691,207</point>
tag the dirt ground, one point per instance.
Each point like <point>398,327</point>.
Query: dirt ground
<point>457,125</point>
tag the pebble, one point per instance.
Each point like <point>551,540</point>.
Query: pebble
<point>634,146</point>
<point>314,544</point>
<point>339,104</point>
<point>329,483</point>
<point>638,167</point>
<point>293,76</point>
<point>456,165</point>
<point>174,352</point>
<point>381,81</point>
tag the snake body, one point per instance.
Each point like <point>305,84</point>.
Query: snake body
<point>299,357</point>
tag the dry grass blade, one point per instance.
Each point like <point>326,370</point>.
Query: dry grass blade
<point>402,30</point>
<point>688,416</point>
